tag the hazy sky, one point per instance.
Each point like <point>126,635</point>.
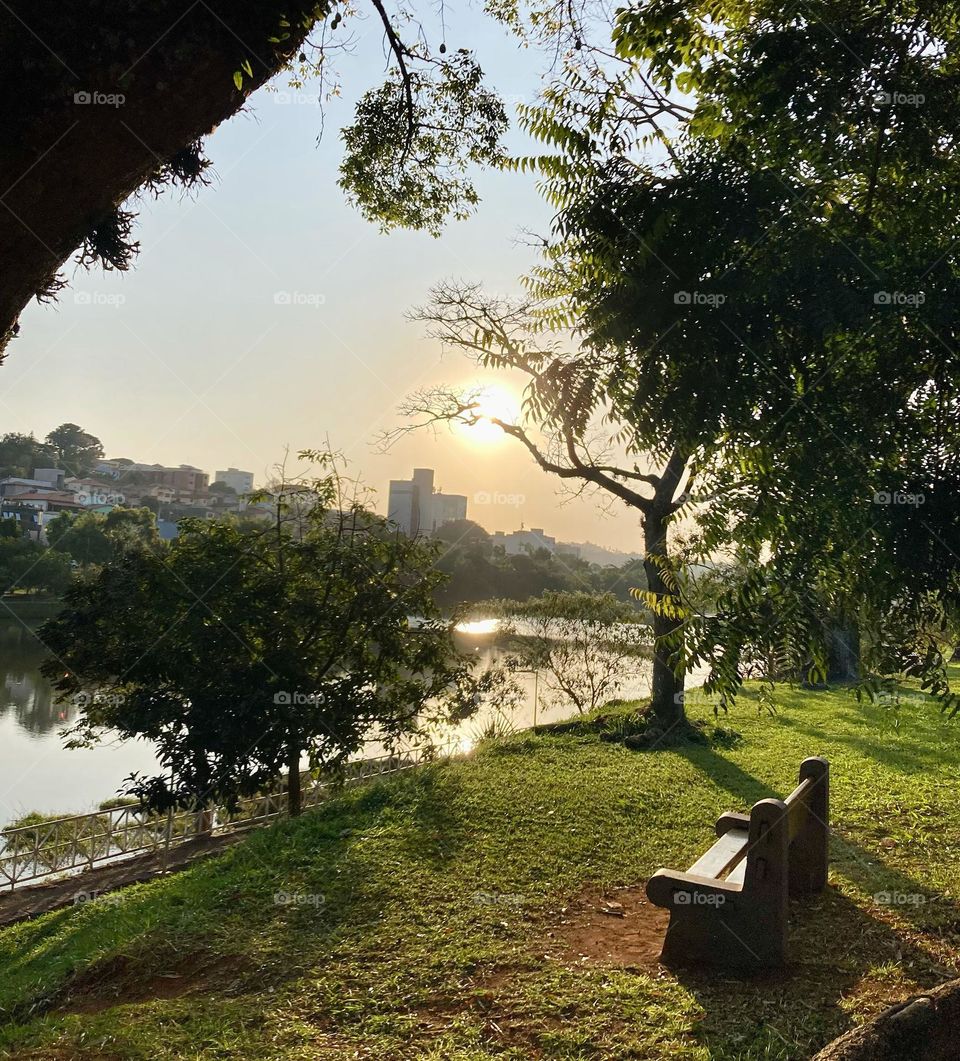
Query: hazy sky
<point>189,359</point>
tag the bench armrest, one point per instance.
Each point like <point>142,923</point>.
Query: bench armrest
<point>732,820</point>
<point>666,886</point>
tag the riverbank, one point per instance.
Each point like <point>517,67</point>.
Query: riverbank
<point>30,609</point>
<point>462,912</point>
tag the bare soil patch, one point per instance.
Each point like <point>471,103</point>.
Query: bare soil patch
<point>617,927</point>
<point>121,981</point>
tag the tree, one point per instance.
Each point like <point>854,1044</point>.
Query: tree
<point>573,431</point>
<point>779,293</point>
<point>74,450</point>
<point>27,566</point>
<point>112,115</point>
<point>95,538</point>
<point>730,300</point>
<point>239,651</point>
<point>20,454</point>
<point>585,644</point>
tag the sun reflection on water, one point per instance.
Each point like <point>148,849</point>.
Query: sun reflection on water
<point>478,626</point>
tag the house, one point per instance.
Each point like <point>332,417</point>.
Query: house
<point>523,541</point>
<point>34,510</point>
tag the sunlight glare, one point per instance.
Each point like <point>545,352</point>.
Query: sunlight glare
<point>492,403</point>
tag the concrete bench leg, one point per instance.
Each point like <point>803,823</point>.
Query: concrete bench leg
<point>732,934</point>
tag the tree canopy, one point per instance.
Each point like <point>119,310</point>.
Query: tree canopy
<point>775,292</point>
<point>240,650</point>
<point>754,254</point>
<point>113,115</point>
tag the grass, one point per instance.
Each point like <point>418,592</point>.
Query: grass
<point>413,918</point>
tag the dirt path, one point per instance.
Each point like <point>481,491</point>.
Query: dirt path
<point>37,899</point>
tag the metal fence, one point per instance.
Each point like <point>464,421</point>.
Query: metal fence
<point>53,847</point>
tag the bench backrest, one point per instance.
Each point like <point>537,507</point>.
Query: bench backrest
<point>789,837</point>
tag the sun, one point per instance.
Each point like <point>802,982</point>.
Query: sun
<point>492,403</point>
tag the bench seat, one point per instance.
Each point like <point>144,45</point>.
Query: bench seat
<point>725,854</point>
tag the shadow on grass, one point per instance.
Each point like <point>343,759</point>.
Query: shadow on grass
<point>907,760</point>
<point>837,950</point>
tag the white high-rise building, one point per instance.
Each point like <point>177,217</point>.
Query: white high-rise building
<point>419,510</point>
<point>240,482</point>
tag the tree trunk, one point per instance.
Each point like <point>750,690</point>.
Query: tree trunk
<point>843,652</point>
<point>294,799</point>
<point>91,107</point>
<point>666,699</point>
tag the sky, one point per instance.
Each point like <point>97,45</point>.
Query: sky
<point>264,312</point>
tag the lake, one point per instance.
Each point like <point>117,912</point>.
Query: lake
<point>38,774</point>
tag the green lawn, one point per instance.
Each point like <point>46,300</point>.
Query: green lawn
<point>427,910</point>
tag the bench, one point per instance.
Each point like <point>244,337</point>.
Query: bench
<point>730,907</point>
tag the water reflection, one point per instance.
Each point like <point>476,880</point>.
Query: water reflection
<point>25,694</point>
<point>478,627</point>
<point>38,773</point>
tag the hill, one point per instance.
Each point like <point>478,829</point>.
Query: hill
<point>462,911</point>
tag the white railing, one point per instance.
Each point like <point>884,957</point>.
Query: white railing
<point>76,842</point>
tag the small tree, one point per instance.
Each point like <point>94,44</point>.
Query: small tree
<point>27,565</point>
<point>584,644</point>
<point>94,538</point>
<point>239,651</point>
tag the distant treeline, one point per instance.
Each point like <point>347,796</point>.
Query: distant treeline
<point>480,571</point>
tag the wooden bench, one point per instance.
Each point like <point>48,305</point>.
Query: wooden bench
<point>730,907</point>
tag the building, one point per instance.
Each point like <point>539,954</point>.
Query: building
<point>240,482</point>
<point>44,479</point>
<point>54,477</point>
<point>525,541</point>
<point>418,509</point>
<point>446,508</point>
<point>185,481</point>
<point>32,511</point>
<point>94,492</point>
<point>403,506</point>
